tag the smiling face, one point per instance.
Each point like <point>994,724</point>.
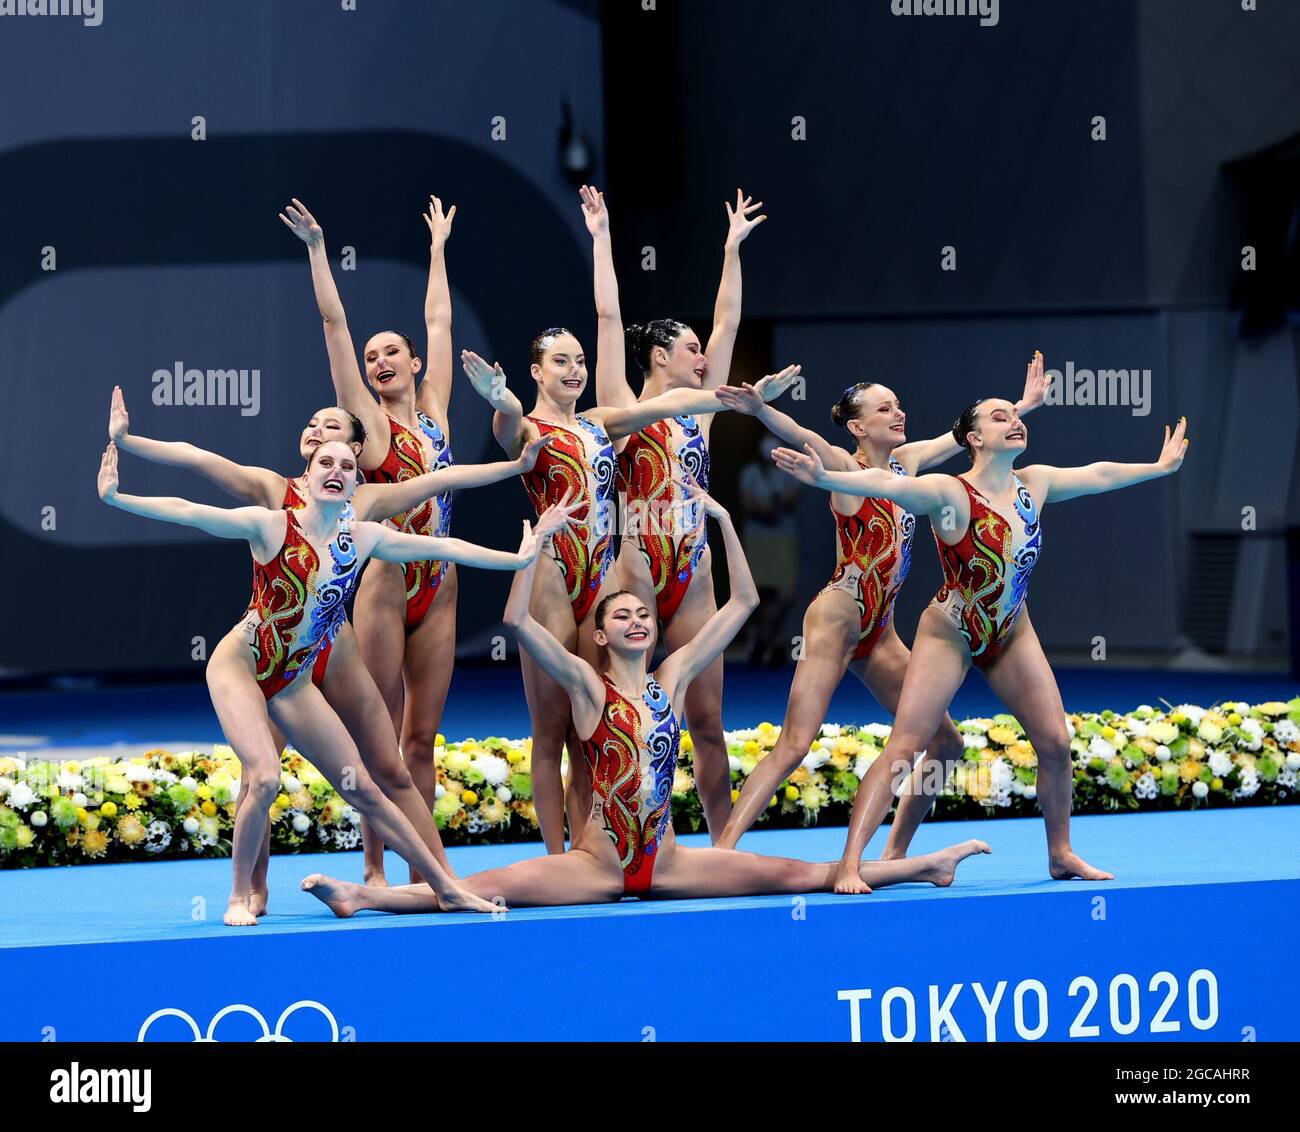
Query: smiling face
<point>997,428</point>
<point>561,372</point>
<point>684,363</point>
<point>880,419</point>
<point>332,472</point>
<point>391,365</point>
<point>625,625</point>
<point>331,423</point>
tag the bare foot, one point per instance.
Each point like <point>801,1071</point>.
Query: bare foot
<point>338,895</point>
<point>257,901</point>
<point>942,866</point>
<point>893,854</point>
<point>456,899</point>
<point>374,879</point>
<point>1070,866</point>
<point>238,914</point>
<point>848,881</point>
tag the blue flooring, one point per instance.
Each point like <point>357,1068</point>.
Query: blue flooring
<point>180,900</point>
<point>489,700</point>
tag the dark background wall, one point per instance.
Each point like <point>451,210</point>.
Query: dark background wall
<point>921,132</point>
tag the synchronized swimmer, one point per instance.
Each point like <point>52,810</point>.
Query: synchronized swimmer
<point>378,485</point>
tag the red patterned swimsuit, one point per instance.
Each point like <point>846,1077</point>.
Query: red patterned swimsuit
<point>874,550</point>
<point>406,459</point>
<point>580,465</point>
<point>632,778</point>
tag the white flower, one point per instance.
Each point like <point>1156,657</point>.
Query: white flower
<point>1284,731</point>
<point>351,815</point>
<point>301,823</point>
<point>1069,726</point>
<point>39,818</point>
<point>1249,783</point>
<point>1252,744</point>
<point>347,838</point>
<point>189,782</point>
<point>134,772</point>
<point>494,769</point>
<point>1017,787</point>
<point>190,825</point>
<point>829,731</point>
<point>1200,789</point>
<point>6,784</point>
<point>876,730</point>
<point>158,836</point>
<point>1162,753</point>
<point>1136,726</point>
<point>1145,787</point>
<point>1287,778</point>
<point>973,741</point>
<point>1100,748</point>
<point>79,799</point>
<point>733,764</point>
<point>164,777</point>
<point>69,782</point>
<point>1292,761</point>
<point>439,791</point>
<point>1220,763</point>
<point>861,765</point>
<point>1194,714</point>
<point>21,795</point>
<point>1210,732</point>
<point>973,725</point>
<point>290,782</point>
<point>503,794</point>
<point>1031,791</point>
<point>1253,727</point>
<point>1000,775</point>
<point>1144,709</point>
<point>815,759</point>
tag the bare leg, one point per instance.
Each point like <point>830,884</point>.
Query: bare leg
<point>830,631</point>
<point>575,877</point>
<point>352,694</point>
<point>938,666</point>
<point>1023,680</point>
<point>427,667</point>
<point>241,710</point>
<point>312,727</point>
<point>380,618</point>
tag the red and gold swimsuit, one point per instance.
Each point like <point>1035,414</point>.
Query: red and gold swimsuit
<point>632,778</point>
<point>665,526</point>
<point>580,465</point>
<point>874,554</point>
<point>294,501</point>
<point>405,460</point>
<point>298,588</point>
<point>986,573</point>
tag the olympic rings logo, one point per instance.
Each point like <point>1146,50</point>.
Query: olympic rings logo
<point>238,1008</point>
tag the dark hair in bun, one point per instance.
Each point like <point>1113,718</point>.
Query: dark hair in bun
<point>544,341</point>
<point>964,425</point>
<point>850,403</point>
<point>642,338</point>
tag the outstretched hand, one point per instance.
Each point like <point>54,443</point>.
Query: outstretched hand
<point>805,466</point>
<point>439,224</point>
<point>107,483</point>
<point>594,212</point>
<point>694,493</point>
<point>119,424</point>
<point>1035,385</point>
<point>489,381</point>
<point>739,223</point>
<point>302,223</point>
<point>1174,448</point>
<point>533,449</point>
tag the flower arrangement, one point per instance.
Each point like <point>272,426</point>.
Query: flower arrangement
<point>165,804</point>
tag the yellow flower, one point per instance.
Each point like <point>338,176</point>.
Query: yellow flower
<point>840,761</point>
<point>468,797</point>
<point>1108,733</point>
<point>514,757</point>
<point>8,766</point>
<point>24,836</point>
<point>72,766</point>
<point>1145,744</point>
<point>683,783</point>
<point>1234,718</point>
<point>493,811</point>
<point>144,789</point>
<point>130,830</point>
<point>209,809</point>
<point>848,745</point>
<point>203,791</point>
<point>440,740</point>
<point>1157,771</point>
<point>527,811</point>
<point>133,801</point>
<point>771,802</point>
<point>302,801</point>
<point>735,795</point>
<point>72,837</point>
<point>1216,784</point>
<point>816,745</point>
<point>1021,753</point>
<point>1195,749</point>
<point>766,728</point>
<point>791,794</point>
<point>813,797</point>
<point>687,743</point>
<point>751,747</point>
<point>95,843</point>
<point>108,810</point>
<point>1003,735</point>
<point>82,814</point>
<point>799,776</point>
<point>1188,770</point>
<point>281,802</point>
<point>1162,733</point>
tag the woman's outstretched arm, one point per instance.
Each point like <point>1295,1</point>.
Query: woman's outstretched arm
<point>726,308</point>
<point>435,388</point>
<point>924,494</point>
<point>489,382</point>
<point>682,666</point>
<point>745,398</point>
<point>258,486</point>
<point>612,386</point>
<point>1055,485</point>
<point>625,421</point>
<point>349,386</point>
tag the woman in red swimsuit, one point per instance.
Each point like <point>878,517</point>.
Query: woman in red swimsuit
<point>628,722</point>
<point>306,564</point>
<point>849,625</point>
<point>578,466</point>
<point>347,685</point>
<point>986,527</point>
<point>405,615</point>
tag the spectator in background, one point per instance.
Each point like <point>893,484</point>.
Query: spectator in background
<point>771,541</point>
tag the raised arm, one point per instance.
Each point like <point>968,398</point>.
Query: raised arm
<point>434,397</point>
<point>1055,485</point>
<point>508,424</point>
<point>726,309</point>
<point>748,399</point>
<point>572,673</point>
<point>682,666</point>
<point>612,386</point>
<point>926,453</point>
<point>382,500</point>
<point>680,402</point>
<point>349,386</point>
<point>924,494</point>
<point>258,486</point>
<point>398,546</point>
<point>249,523</point>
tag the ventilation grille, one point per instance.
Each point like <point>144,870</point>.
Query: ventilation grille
<point>1211,589</point>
